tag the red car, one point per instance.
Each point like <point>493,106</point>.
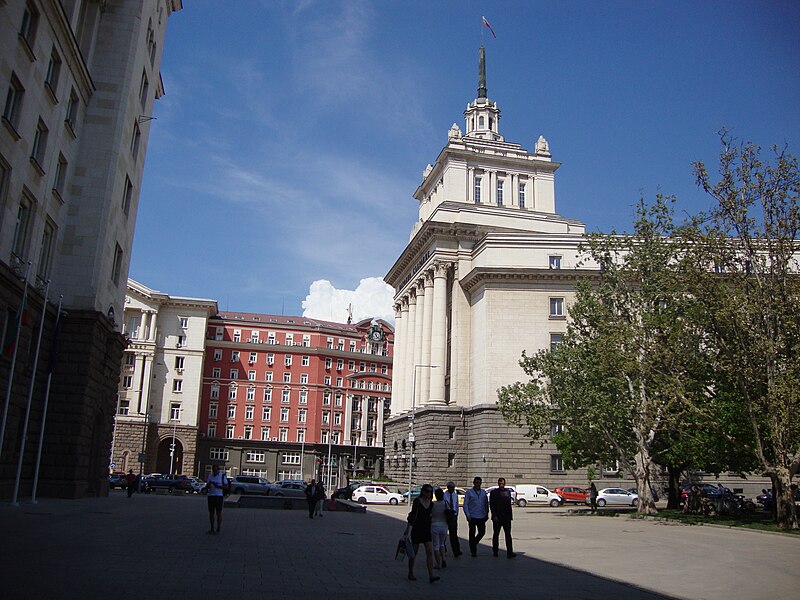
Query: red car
<point>571,493</point>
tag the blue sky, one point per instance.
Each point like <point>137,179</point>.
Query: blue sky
<point>293,134</point>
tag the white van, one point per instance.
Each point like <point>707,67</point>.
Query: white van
<point>536,494</point>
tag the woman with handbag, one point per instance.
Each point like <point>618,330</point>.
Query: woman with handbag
<point>419,521</point>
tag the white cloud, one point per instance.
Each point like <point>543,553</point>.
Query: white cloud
<point>373,298</point>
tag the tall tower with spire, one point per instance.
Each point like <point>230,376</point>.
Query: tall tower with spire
<point>488,269</point>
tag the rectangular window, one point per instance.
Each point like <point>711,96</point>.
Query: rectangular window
<point>337,418</point>
<point>285,396</point>
<point>251,394</point>
<point>327,380</point>
<point>556,428</point>
<point>326,398</point>
<point>352,347</point>
<point>217,355</point>
<point>283,435</point>
<point>216,372</point>
<point>181,341</point>
<point>305,361</point>
<point>184,322</point>
<point>326,417</point>
<point>13,106</point>
<point>328,363</point>
<point>127,382</point>
<point>232,393</point>
<point>46,251</point>
<point>270,358</point>
<point>265,434</point>
<point>477,192</point>
<point>237,335</point>
<point>303,396</point>
<point>303,377</point>
<point>251,375</point>
<point>306,341</point>
<point>248,432</point>
<point>451,460</point>
<point>258,456</point>
<point>556,462</point>
<point>301,415</point>
<point>212,410</point>
<point>271,337</point>
<point>500,192</point>
<point>340,344</point>
<point>30,21</point>
<point>229,431</point>
<point>451,433</point>
<point>253,358</point>
<point>177,385</point>
<point>248,412</point>
<point>218,454</point>
<point>555,262</point>
<point>235,356</point>
<point>268,395</point>
<point>287,360</point>
<point>522,195</point>
<point>290,458</point>
<point>53,71</point>
<point>212,430</point>
<point>174,411</point>
<point>219,333</point>
<point>254,337</point>
<point>214,392</point>
<point>555,340</point>
<point>338,400</point>
<point>116,271</point>
<point>301,435</point>
<point>72,111</point>
<point>144,87</point>
<point>556,307</point>
<point>330,343</point>
<point>339,364</point>
<point>289,339</point>
<point>231,411</point>
<point>351,364</point>
<point>60,177</point>
<point>179,362</point>
<point>135,138</point>
<point>268,376</point>
<point>287,378</point>
<point>39,146</point>
<point>266,413</point>
<point>234,374</point>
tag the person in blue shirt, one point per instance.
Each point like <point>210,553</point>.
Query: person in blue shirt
<point>476,509</point>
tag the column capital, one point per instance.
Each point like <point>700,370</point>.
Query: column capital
<point>419,285</point>
<point>441,267</point>
<point>427,277</point>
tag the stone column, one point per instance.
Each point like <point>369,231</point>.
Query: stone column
<point>397,359</point>
<point>144,326</point>
<point>348,416</point>
<point>379,423</point>
<point>439,333</point>
<point>418,331</point>
<point>408,354</point>
<point>364,417</point>
<point>512,192</point>
<point>424,373</point>
<point>152,333</point>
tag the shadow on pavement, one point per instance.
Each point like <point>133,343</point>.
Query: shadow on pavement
<point>157,547</point>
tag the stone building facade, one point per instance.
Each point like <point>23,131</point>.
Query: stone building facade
<point>489,271</point>
<point>158,407</point>
<point>79,80</point>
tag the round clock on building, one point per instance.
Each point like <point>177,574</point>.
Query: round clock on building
<point>376,335</point>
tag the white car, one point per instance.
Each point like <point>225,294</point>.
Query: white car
<point>616,496</point>
<point>376,494</point>
<point>536,494</point>
<point>510,488</point>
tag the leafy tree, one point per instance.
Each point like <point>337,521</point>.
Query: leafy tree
<point>628,359</point>
<point>743,279</point>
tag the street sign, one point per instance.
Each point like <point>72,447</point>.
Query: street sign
<point>113,465</point>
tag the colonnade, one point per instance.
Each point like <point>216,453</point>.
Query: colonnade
<point>420,359</point>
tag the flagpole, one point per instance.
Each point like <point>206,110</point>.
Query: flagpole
<point>50,367</point>
<point>24,436</point>
<point>13,361</point>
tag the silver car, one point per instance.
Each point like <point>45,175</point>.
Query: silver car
<point>616,496</point>
<point>249,484</point>
<point>289,489</point>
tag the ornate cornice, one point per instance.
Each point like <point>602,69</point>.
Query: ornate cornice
<point>484,275</point>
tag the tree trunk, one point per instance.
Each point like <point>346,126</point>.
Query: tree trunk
<point>674,492</point>
<point>786,511</point>
<point>642,472</point>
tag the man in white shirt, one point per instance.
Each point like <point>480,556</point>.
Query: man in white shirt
<point>451,510</point>
<point>214,487</point>
<point>476,509</point>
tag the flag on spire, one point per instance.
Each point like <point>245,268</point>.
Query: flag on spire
<point>485,22</point>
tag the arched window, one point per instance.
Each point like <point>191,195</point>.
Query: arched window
<point>480,122</point>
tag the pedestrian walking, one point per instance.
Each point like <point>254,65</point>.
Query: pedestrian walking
<point>451,512</point>
<point>130,478</point>
<point>216,486</point>
<point>419,521</point>
<point>312,496</point>
<point>439,529</point>
<point>476,509</point>
<point>501,504</point>
<point>321,495</point>
<point>593,496</point>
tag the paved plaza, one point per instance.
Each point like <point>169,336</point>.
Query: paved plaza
<point>156,547</point>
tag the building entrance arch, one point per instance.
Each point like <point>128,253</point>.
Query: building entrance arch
<point>163,458</point>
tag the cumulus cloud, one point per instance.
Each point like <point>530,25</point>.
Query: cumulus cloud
<point>373,298</point>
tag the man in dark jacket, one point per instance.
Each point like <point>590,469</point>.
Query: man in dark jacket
<point>500,504</point>
<point>312,495</point>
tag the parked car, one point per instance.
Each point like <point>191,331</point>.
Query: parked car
<point>711,491</point>
<point>198,485</point>
<point>636,491</point>
<point>118,480</point>
<point>536,494</point>
<point>289,489</point>
<point>171,483</point>
<point>346,492</point>
<point>250,484</point>
<point>376,494</point>
<point>616,496</point>
<point>570,493</point>
<point>510,488</point>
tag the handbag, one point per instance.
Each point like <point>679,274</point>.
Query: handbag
<point>409,547</point>
<point>400,553</point>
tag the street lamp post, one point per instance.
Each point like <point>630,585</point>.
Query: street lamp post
<point>174,420</point>
<point>411,437</point>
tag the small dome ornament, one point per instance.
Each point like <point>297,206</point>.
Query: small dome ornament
<point>542,147</point>
<point>454,133</point>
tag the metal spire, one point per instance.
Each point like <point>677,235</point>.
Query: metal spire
<point>482,72</point>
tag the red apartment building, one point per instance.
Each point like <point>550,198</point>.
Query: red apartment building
<point>282,394</point>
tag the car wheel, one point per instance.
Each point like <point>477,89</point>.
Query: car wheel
<point>601,502</point>
<point>362,500</point>
<point>554,503</point>
<point>522,503</point>
<point>279,494</point>
<point>635,502</point>
<point>393,501</point>
<point>171,489</point>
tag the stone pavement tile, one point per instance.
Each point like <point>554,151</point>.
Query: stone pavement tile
<point>159,544</point>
